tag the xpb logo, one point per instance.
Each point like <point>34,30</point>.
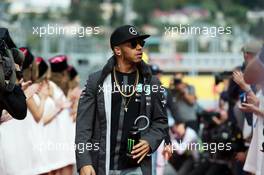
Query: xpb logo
<point>130,144</point>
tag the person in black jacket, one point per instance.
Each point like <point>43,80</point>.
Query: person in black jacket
<point>14,103</point>
<point>12,99</point>
<point>107,111</point>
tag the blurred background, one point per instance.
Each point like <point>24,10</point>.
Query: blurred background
<point>200,57</point>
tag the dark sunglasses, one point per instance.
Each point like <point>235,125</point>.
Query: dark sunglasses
<point>135,42</point>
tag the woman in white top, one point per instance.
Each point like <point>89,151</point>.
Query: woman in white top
<point>54,145</point>
<point>254,160</point>
<point>255,156</point>
<point>15,147</point>
<point>16,137</point>
<point>66,124</point>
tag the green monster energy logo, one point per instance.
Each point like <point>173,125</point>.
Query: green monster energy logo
<point>130,144</point>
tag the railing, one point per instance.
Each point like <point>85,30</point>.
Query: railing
<point>201,62</point>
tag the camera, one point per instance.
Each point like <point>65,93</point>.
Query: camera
<point>206,117</point>
<point>227,133</point>
<point>7,61</point>
<point>177,81</point>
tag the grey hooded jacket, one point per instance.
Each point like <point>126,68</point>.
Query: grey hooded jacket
<point>94,119</point>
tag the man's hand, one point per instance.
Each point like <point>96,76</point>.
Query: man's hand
<point>25,85</point>
<point>140,150</point>
<point>246,107</point>
<point>252,99</point>
<point>5,117</point>
<point>167,152</point>
<point>87,170</point>
<point>239,79</point>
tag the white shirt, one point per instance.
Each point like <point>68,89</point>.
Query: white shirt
<point>189,137</point>
<point>255,158</point>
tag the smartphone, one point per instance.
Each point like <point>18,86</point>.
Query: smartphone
<point>243,97</point>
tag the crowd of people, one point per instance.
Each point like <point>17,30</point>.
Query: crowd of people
<point>42,143</point>
<point>236,124</point>
<point>181,137</point>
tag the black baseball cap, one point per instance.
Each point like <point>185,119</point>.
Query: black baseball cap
<point>125,33</point>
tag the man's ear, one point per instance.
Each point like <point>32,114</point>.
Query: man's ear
<point>117,51</point>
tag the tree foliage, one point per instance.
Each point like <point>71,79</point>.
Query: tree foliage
<point>87,11</point>
<point>233,10</point>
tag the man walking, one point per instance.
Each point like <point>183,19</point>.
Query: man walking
<point>121,96</point>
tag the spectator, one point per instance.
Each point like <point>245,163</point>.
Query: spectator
<point>184,102</point>
<point>183,157</point>
<point>254,75</point>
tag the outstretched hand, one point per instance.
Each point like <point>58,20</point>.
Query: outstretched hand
<point>25,85</point>
<point>239,79</point>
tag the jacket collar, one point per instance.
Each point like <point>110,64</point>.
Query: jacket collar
<point>143,68</point>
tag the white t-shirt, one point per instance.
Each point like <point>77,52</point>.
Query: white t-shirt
<point>189,137</point>
<point>255,157</point>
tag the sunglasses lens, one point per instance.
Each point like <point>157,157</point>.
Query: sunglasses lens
<point>142,43</point>
<point>133,44</point>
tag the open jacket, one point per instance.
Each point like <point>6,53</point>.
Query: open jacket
<point>94,119</point>
<point>14,103</point>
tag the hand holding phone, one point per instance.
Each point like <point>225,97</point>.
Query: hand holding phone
<point>243,97</point>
